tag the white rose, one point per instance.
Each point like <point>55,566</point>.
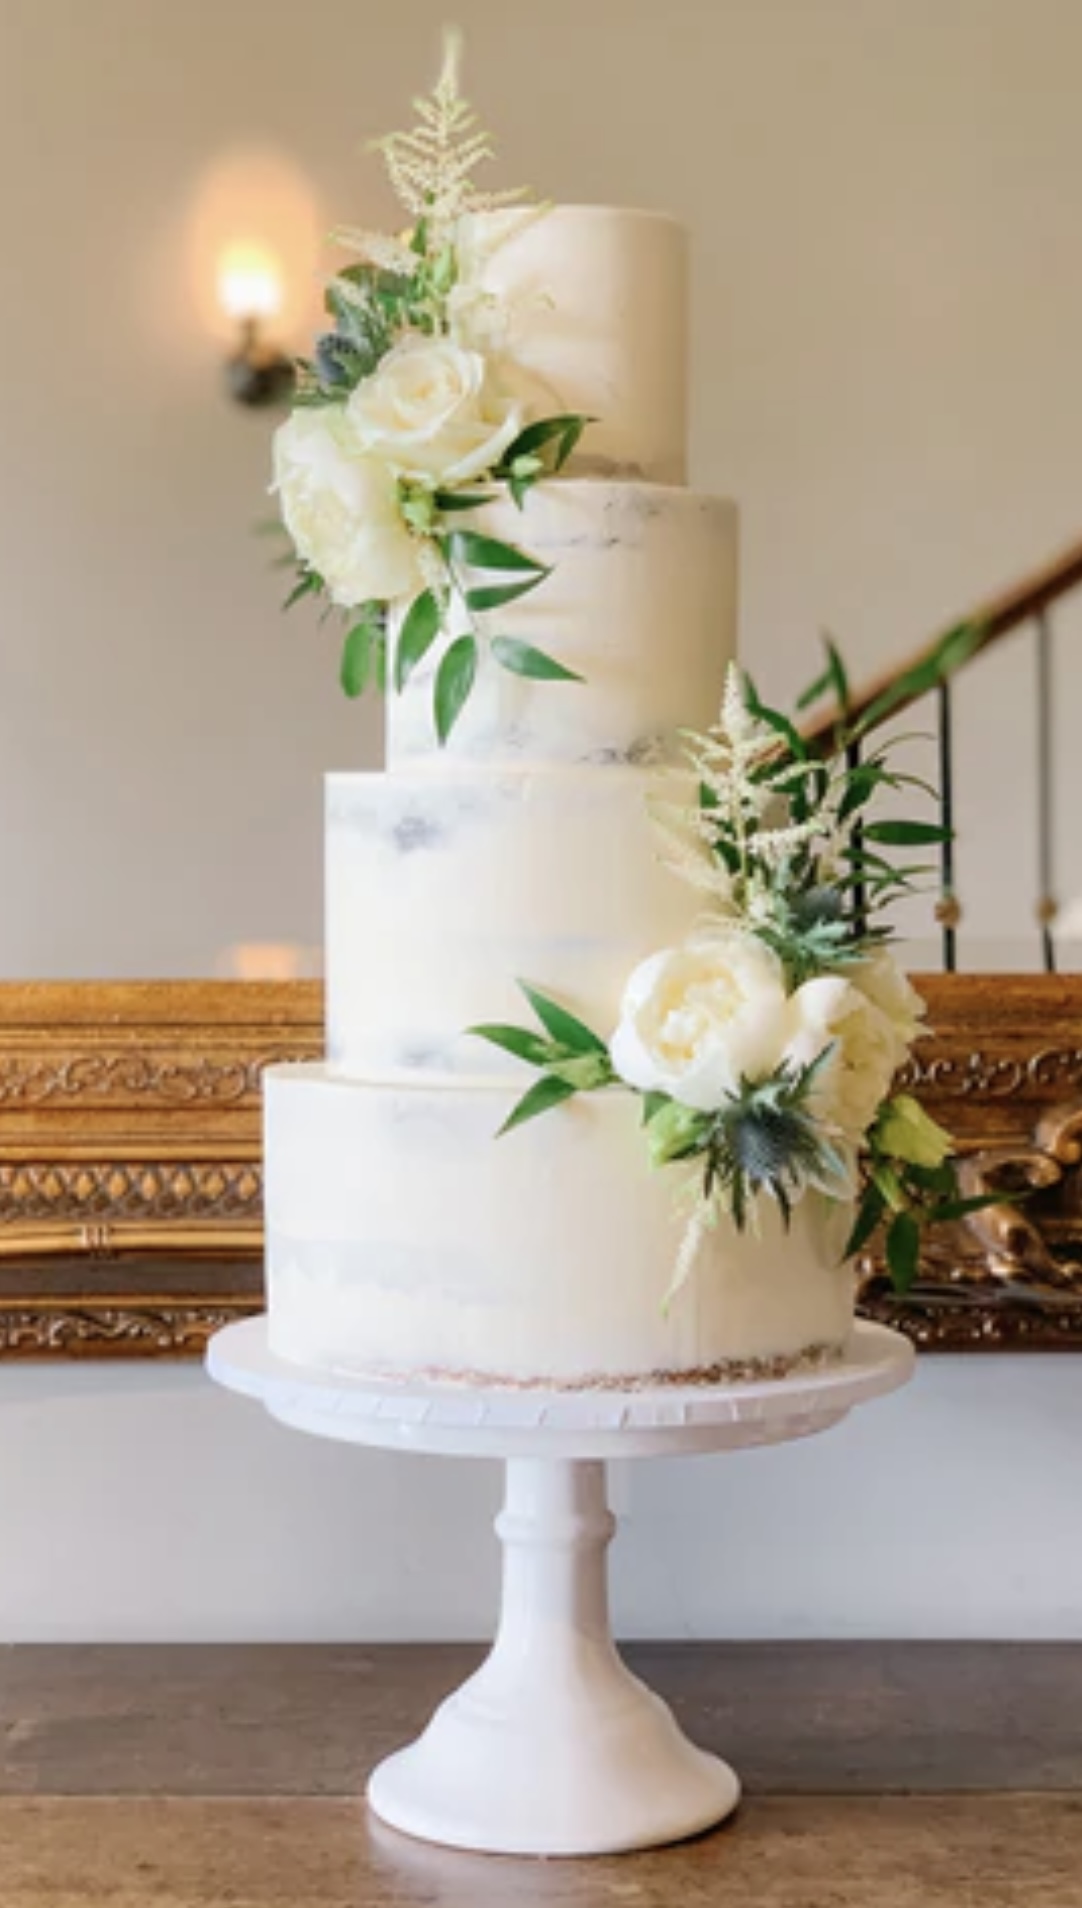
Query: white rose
<point>881,979</point>
<point>434,411</point>
<point>830,1012</point>
<point>341,509</point>
<point>696,1018</point>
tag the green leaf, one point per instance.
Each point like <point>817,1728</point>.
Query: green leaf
<point>980,1202</point>
<point>416,637</point>
<point>520,1041</point>
<point>522,659</point>
<point>559,433</point>
<point>905,834</point>
<point>652,1104</point>
<point>543,1095</point>
<point>379,660</point>
<point>356,659</point>
<point>871,1210</point>
<point>452,500</point>
<point>307,585</point>
<point>489,553</point>
<point>495,595</point>
<point>903,1251</point>
<point>949,654</point>
<point>562,1025</point>
<point>774,719</point>
<point>454,680</point>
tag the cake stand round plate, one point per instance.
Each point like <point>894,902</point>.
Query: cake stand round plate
<point>553,1747</point>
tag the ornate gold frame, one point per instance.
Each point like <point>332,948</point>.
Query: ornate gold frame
<point>130,1185</point>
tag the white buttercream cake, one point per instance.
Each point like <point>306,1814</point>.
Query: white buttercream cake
<point>402,1236</point>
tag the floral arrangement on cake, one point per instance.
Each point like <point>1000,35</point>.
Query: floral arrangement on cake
<point>764,1048</point>
<point>404,417</point>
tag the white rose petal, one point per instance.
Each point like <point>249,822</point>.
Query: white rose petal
<point>888,988</point>
<point>340,506</point>
<point>830,1012</point>
<point>434,412</point>
<point>697,1018</point>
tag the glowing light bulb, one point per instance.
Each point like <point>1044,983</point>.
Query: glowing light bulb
<point>249,283</point>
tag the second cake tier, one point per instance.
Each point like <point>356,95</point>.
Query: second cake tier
<point>442,892</point>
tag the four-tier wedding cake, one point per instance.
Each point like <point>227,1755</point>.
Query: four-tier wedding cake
<point>400,1236</point>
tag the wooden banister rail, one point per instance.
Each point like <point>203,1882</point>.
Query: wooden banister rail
<point>993,619</point>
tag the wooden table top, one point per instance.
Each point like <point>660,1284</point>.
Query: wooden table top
<point>878,1775</point>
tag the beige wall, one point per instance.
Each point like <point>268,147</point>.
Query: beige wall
<point>886,204</point>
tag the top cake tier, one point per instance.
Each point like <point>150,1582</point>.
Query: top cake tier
<point>589,314</point>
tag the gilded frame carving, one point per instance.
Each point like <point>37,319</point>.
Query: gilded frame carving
<point>130,1184</point>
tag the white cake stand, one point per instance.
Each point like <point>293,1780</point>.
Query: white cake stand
<point>553,1747</point>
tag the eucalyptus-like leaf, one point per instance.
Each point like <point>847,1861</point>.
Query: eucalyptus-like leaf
<point>564,1027</point>
<point>490,553</point>
<point>903,1251</point>
<point>490,596</point>
<point>454,681</point>
<point>416,636</point>
<point>520,1041</point>
<point>522,659</point>
<point>541,1097</point>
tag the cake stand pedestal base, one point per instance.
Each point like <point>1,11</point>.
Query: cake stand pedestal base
<point>553,1747</point>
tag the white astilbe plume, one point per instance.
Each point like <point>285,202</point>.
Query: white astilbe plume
<point>685,848</point>
<point>704,1217</point>
<point>750,808</point>
<point>375,248</point>
<point>432,167</point>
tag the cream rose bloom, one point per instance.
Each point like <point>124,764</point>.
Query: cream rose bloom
<point>433,411</point>
<point>882,981</point>
<point>341,509</point>
<point>866,1051</point>
<point>695,1018</point>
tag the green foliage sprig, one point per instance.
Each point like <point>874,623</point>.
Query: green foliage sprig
<point>400,289</point>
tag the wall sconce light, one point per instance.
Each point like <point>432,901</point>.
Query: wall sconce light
<point>250,293</point>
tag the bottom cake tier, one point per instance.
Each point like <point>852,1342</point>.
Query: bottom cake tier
<point>403,1237</point>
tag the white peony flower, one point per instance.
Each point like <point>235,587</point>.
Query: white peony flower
<point>831,1012</point>
<point>341,509</point>
<point>433,411</point>
<point>696,1018</point>
<point>881,979</point>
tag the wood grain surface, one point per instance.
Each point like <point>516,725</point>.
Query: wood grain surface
<point>877,1776</point>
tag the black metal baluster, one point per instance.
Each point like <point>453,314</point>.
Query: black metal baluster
<point>1046,900</point>
<point>948,912</point>
<point>860,895</point>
